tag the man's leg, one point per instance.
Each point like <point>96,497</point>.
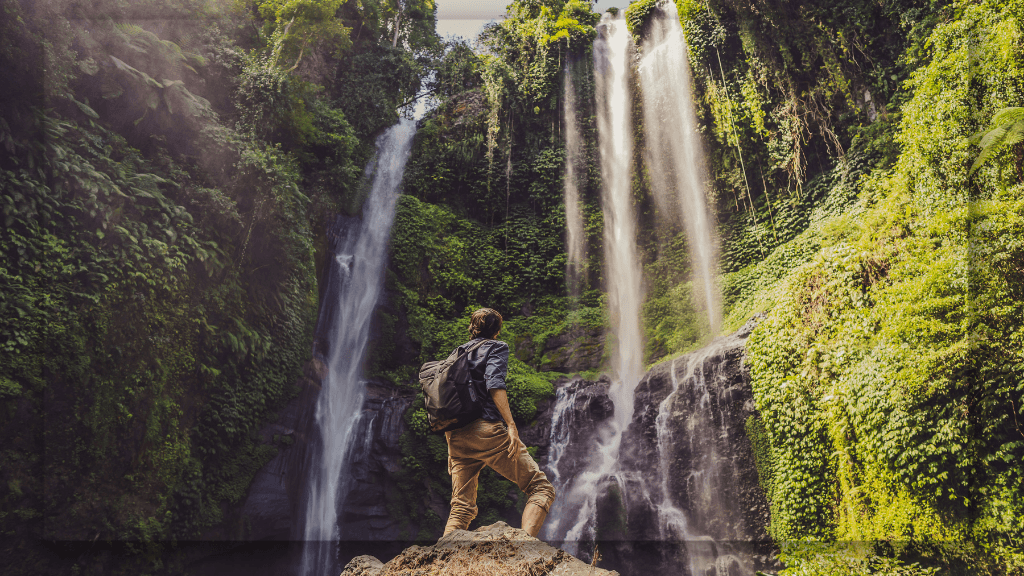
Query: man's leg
<point>465,474</point>
<point>523,470</point>
<point>533,518</point>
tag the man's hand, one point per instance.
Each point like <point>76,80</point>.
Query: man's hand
<point>500,398</point>
<point>513,438</point>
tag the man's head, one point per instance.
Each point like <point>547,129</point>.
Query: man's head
<point>485,323</point>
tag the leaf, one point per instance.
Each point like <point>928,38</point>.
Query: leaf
<point>121,65</point>
<point>1006,129</point>
<point>1008,116</point>
<point>88,66</point>
<point>86,110</point>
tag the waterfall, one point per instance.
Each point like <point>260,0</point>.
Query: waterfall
<point>572,519</point>
<point>710,522</point>
<point>667,485</point>
<point>574,239</point>
<point>674,152</point>
<point>612,51</point>
<point>352,288</point>
<point>561,427</point>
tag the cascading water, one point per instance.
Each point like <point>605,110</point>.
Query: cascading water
<point>574,240</point>
<point>670,486</point>
<point>572,519</point>
<point>710,522</point>
<point>612,51</point>
<point>353,287</point>
<point>674,151</point>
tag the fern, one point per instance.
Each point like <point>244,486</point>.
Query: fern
<point>1006,129</point>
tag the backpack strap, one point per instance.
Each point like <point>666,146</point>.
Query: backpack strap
<point>455,353</point>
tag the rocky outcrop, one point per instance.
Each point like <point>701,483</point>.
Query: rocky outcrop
<point>270,509</point>
<point>375,456</point>
<point>689,421</point>
<point>487,551</point>
<point>576,409</point>
<point>684,497</point>
<point>686,455</point>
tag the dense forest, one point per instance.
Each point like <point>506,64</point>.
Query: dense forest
<point>170,166</point>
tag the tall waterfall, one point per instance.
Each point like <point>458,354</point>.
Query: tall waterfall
<point>353,286</point>
<point>674,152</point>
<point>574,239</point>
<point>612,51</point>
<point>572,518</point>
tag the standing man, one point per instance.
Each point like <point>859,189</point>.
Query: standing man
<point>492,440</point>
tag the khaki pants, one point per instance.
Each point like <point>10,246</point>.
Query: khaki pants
<point>482,443</point>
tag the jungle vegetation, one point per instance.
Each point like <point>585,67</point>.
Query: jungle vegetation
<point>168,167</point>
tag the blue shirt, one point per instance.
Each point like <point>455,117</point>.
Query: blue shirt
<point>488,365</point>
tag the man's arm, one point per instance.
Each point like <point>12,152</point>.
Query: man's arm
<point>500,398</point>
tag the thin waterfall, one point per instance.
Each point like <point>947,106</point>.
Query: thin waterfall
<point>674,151</point>
<point>352,289</point>
<point>612,53</point>
<point>574,239</point>
<point>561,427</point>
<point>572,519</point>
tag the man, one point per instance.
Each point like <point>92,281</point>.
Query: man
<point>492,440</point>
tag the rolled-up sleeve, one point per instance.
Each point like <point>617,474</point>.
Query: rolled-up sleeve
<point>497,367</point>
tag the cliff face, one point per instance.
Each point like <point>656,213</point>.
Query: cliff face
<point>689,424</point>
<point>688,471</point>
<point>272,507</point>
<point>375,455</point>
<point>489,550</point>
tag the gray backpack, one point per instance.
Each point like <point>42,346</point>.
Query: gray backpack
<point>451,400</point>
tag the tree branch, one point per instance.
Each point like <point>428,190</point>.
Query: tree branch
<point>416,97</point>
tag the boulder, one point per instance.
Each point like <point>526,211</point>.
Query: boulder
<point>487,551</point>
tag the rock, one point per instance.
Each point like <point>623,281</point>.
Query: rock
<point>685,492</point>
<point>269,511</point>
<point>580,409</point>
<point>375,456</point>
<point>688,437</point>
<point>487,551</point>
<point>363,566</point>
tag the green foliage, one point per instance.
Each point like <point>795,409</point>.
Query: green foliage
<point>525,388</point>
<point>761,449</point>
<point>159,189</point>
<point>815,559</point>
<point>671,323</point>
<point>1006,129</point>
<point>886,371</point>
<point>636,16</point>
<point>785,90</point>
<point>295,26</point>
<point>521,72</point>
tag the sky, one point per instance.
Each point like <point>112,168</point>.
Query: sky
<point>467,18</point>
